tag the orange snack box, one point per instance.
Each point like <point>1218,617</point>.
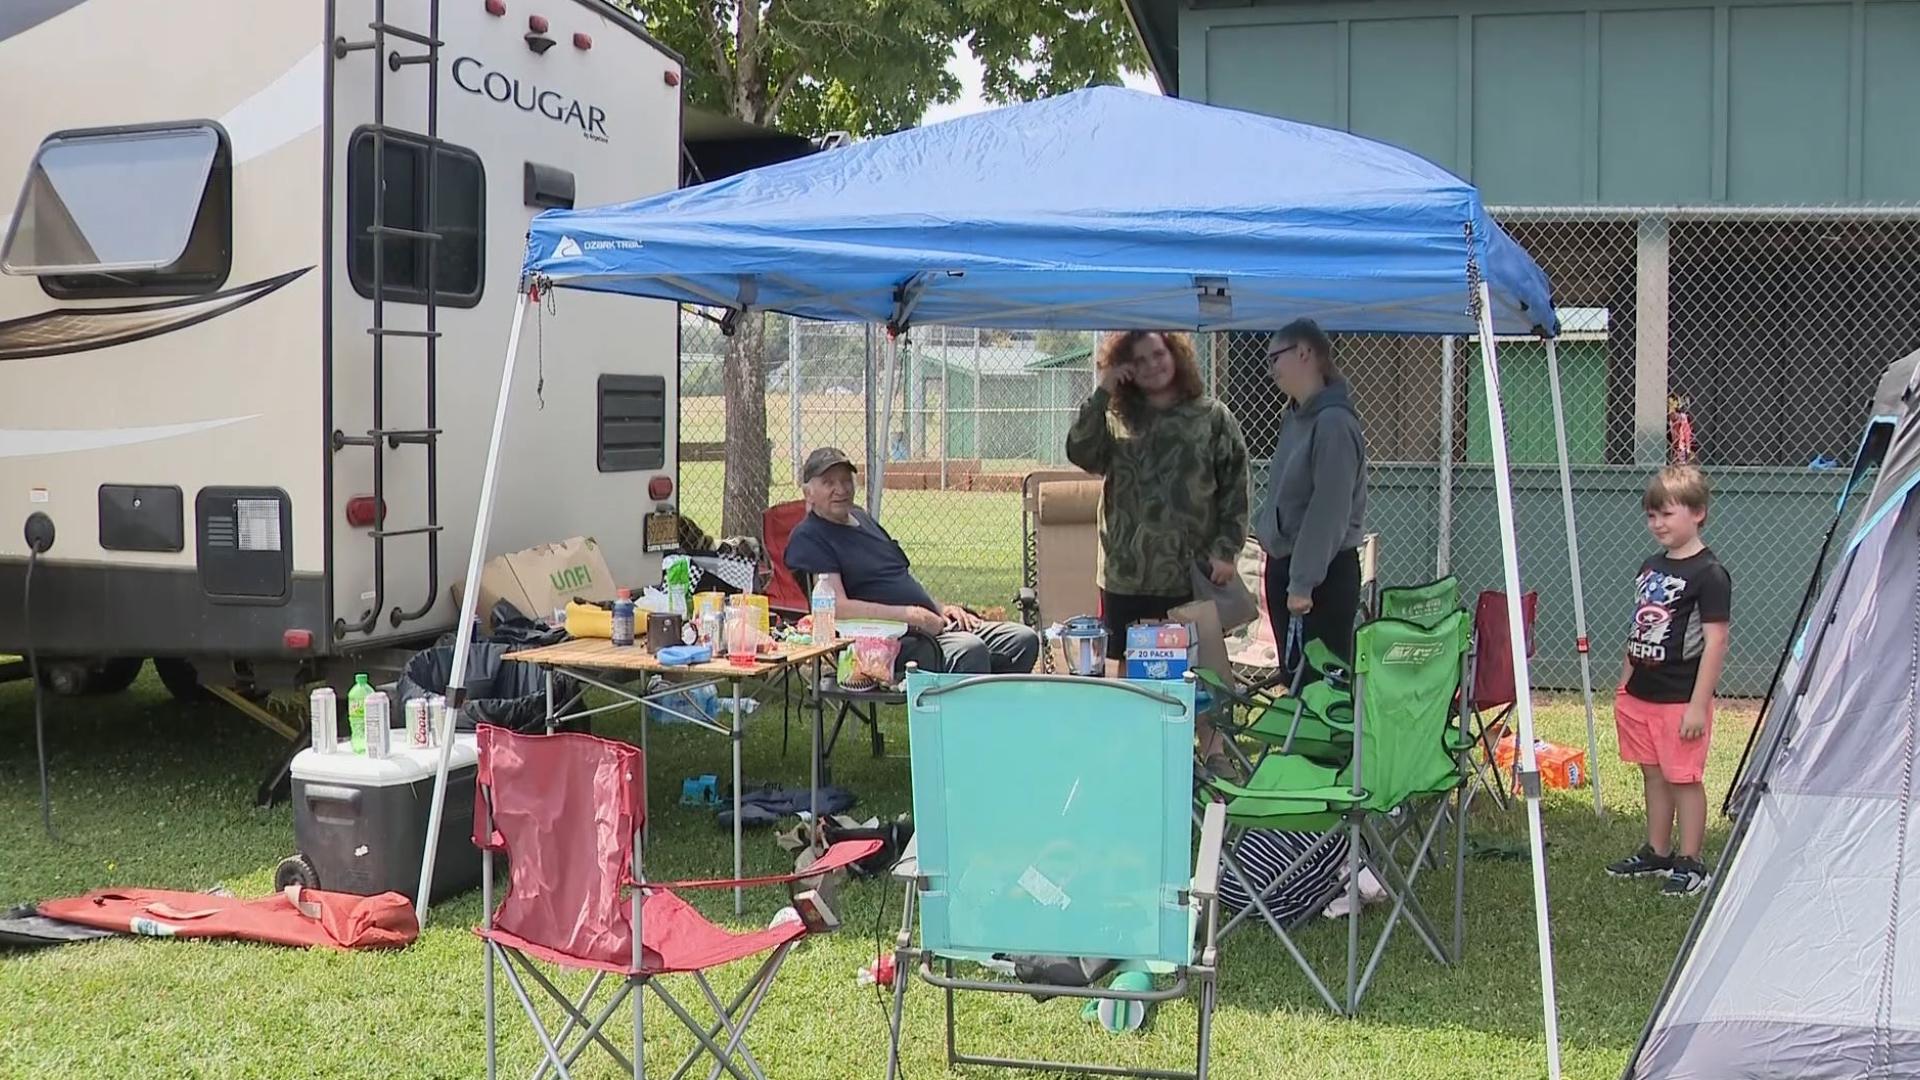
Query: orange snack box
<point>1560,766</point>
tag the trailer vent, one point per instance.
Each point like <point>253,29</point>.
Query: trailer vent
<point>245,545</point>
<point>632,430</point>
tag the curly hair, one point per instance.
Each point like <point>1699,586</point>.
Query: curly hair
<point>1117,349</point>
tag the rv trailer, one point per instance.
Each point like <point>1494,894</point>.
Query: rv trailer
<point>252,313</point>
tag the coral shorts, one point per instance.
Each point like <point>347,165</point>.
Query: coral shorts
<point>1650,735</point>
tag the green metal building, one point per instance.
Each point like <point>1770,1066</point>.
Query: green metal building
<point>1727,199</point>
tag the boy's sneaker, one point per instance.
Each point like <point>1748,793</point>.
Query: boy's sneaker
<point>1688,877</point>
<point>1643,863</point>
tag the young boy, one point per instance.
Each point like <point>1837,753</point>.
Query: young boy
<point>1675,653</point>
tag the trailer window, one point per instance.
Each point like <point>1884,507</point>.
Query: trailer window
<point>126,212</point>
<point>459,217</point>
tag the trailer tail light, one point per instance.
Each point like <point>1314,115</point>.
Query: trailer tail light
<point>660,488</point>
<point>673,78</point>
<point>537,23</point>
<point>297,640</point>
<point>497,8</point>
<point>363,511</point>
<point>582,41</point>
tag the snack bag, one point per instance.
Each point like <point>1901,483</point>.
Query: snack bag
<point>869,662</point>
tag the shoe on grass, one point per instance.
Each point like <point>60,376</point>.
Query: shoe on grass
<point>1643,863</point>
<point>1687,878</point>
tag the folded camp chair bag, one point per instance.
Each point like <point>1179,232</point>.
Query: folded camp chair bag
<point>504,692</point>
<point>303,918</point>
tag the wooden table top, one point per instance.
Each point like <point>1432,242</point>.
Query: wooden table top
<point>601,654</point>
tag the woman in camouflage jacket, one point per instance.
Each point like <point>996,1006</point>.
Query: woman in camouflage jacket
<point>1175,472</point>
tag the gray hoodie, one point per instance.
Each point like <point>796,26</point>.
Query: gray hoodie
<point>1316,487</point>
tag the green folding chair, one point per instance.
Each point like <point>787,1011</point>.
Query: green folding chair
<point>1424,605</point>
<point>1406,682</point>
<point>1051,819</point>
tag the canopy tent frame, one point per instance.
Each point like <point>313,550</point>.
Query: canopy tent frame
<point>929,289</point>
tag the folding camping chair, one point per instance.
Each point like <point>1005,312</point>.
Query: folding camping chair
<point>567,812</point>
<point>1051,819</point>
<point>784,594</point>
<point>1406,679</point>
<point>1324,704</point>
<point>1491,686</point>
<point>790,594</point>
<point>1059,545</point>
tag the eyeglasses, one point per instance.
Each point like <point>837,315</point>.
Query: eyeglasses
<point>1273,357</point>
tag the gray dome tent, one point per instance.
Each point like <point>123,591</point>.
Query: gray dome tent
<point>1801,960</point>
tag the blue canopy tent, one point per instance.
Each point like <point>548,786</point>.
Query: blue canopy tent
<point>1101,209</point>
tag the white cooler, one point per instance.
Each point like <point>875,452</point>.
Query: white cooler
<point>360,823</point>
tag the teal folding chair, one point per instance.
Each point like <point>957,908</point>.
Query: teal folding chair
<point>1051,818</point>
<point>1407,679</point>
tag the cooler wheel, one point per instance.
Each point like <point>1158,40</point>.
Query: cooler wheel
<point>298,870</point>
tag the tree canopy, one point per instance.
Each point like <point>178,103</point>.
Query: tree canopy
<point>870,67</point>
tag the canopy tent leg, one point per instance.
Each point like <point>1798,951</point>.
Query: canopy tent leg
<point>1443,543</point>
<point>1522,676</point>
<point>877,480</point>
<point>1573,564</point>
<point>469,605</point>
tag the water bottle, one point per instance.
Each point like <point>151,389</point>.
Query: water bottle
<point>825,627</point>
<point>357,713</point>
<point>623,619</point>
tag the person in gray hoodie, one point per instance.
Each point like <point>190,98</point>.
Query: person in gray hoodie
<point>1316,499</point>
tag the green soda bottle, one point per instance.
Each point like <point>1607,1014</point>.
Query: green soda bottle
<point>357,712</point>
<point>679,585</point>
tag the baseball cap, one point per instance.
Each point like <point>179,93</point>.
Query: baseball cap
<point>823,459</point>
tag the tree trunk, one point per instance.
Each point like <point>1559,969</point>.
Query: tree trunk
<point>749,457</point>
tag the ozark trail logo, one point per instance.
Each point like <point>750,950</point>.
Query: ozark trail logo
<point>473,77</point>
<point>567,248</point>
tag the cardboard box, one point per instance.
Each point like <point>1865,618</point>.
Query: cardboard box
<point>1165,650</point>
<point>541,579</point>
<point>1560,766</point>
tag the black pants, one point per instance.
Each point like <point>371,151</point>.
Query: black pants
<point>1336,606</point>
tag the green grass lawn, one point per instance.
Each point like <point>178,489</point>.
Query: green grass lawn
<point>965,545</point>
<point>151,792</point>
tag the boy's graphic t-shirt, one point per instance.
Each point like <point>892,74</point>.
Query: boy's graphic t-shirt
<point>1673,600</point>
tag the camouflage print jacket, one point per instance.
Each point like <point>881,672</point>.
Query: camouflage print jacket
<point>1175,491</point>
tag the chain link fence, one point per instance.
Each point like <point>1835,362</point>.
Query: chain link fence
<point>1747,341</point>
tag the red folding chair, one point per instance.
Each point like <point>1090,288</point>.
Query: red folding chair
<point>1491,685</point>
<point>777,523</point>
<point>567,812</point>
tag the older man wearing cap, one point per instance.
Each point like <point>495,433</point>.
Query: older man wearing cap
<point>870,576</point>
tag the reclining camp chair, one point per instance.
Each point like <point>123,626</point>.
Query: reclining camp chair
<point>1060,542</point>
<point>1406,679</point>
<point>567,811</point>
<point>1052,819</point>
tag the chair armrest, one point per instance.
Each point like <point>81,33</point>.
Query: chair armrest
<point>1206,868</point>
<point>837,857</point>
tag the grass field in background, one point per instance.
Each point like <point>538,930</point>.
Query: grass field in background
<point>151,792</point>
<point>965,545</point>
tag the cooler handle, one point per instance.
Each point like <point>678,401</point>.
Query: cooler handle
<point>333,793</point>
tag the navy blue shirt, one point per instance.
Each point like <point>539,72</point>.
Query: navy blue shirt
<point>870,563</point>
